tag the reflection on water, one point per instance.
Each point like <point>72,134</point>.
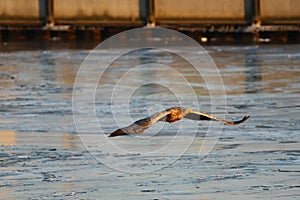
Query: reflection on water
<point>259,69</point>
<point>7,138</point>
<point>253,71</point>
<point>70,141</point>
<point>62,140</point>
<point>39,143</point>
<point>36,86</point>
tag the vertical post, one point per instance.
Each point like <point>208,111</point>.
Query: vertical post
<point>151,14</point>
<point>257,17</point>
<point>50,13</point>
<point>144,11</point>
<point>249,9</point>
<point>43,11</point>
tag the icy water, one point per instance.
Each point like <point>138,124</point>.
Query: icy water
<point>42,156</point>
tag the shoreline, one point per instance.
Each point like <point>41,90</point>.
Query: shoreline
<point>206,35</point>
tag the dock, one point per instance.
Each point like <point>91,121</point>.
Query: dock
<point>204,21</point>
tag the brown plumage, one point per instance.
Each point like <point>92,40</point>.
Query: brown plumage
<point>170,115</point>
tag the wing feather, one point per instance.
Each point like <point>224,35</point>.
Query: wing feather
<point>194,115</point>
<point>141,125</point>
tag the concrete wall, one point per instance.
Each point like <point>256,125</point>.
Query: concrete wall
<point>178,12</point>
<point>280,11</point>
<point>96,10</point>
<point>199,10</point>
<point>19,10</point>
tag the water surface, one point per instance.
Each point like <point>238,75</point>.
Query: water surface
<point>42,155</point>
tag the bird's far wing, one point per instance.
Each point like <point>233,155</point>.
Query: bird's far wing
<point>141,125</point>
<point>194,115</point>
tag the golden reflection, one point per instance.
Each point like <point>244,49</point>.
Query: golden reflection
<point>68,190</point>
<point>6,193</point>
<point>7,81</point>
<point>67,75</point>
<point>7,138</point>
<point>70,141</point>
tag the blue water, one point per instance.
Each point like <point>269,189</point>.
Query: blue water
<point>43,156</point>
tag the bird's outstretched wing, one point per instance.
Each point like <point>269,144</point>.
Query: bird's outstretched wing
<point>170,115</point>
<point>194,115</point>
<point>141,125</point>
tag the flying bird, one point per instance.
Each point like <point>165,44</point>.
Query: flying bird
<point>170,115</point>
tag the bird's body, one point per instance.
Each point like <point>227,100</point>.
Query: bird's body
<point>170,115</point>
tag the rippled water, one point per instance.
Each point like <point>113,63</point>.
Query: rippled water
<point>42,155</point>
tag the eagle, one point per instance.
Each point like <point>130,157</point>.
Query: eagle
<point>170,115</point>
